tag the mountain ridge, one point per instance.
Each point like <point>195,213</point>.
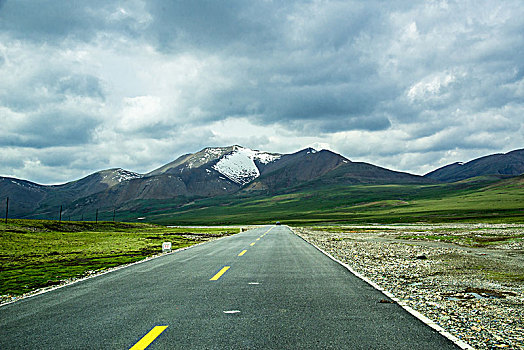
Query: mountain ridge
<point>510,164</point>
<point>215,172</point>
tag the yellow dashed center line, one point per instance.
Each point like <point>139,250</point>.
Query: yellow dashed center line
<point>220,273</point>
<point>149,338</point>
<point>225,268</point>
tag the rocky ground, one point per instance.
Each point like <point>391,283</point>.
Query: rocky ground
<point>469,279</point>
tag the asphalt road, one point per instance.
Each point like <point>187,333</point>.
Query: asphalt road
<point>261,289</point>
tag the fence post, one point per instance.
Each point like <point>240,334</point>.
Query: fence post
<point>6,209</point>
<point>96,218</point>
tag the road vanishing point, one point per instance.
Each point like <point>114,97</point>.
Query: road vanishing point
<point>261,289</point>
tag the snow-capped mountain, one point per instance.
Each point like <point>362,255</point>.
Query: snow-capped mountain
<point>211,172</point>
<point>240,166</point>
<point>236,163</point>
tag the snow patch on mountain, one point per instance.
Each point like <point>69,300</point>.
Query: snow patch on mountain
<point>239,166</point>
<point>24,184</point>
<point>205,156</point>
<point>119,175</point>
<point>124,175</point>
<point>266,158</point>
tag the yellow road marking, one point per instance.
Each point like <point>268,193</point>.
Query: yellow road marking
<point>258,239</point>
<point>252,244</point>
<point>148,338</point>
<point>242,252</point>
<point>220,273</point>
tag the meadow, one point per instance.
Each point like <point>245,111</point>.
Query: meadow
<point>42,253</point>
<point>476,200</point>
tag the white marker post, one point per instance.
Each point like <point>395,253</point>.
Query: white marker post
<point>166,247</point>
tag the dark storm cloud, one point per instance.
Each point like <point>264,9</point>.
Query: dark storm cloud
<point>321,74</point>
<point>211,25</point>
<point>335,124</point>
<point>375,78</point>
<point>50,86</point>
<point>53,128</point>
<point>54,21</point>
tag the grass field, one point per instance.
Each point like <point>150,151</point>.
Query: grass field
<point>489,199</point>
<point>39,253</point>
<point>477,200</point>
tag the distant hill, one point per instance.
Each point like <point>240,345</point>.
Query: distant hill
<point>510,164</point>
<point>28,197</point>
<point>25,196</point>
<point>224,173</point>
<point>318,168</point>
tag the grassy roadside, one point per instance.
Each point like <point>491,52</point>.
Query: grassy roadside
<point>40,253</point>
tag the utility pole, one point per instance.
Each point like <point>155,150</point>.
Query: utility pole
<point>114,214</point>
<point>96,218</point>
<point>6,209</point>
<point>60,218</point>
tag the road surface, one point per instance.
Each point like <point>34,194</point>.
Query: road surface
<point>261,289</point>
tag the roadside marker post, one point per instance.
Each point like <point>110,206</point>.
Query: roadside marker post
<point>166,247</point>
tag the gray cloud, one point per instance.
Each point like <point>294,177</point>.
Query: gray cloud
<point>80,85</point>
<point>49,86</point>
<point>400,84</point>
<point>48,129</point>
<point>53,22</point>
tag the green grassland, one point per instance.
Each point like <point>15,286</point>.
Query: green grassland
<point>475,200</point>
<point>40,253</point>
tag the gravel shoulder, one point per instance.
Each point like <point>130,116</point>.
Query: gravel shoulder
<point>467,278</point>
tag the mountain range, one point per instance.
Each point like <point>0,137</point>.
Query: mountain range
<point>226,171</point>
<point>507,164</point>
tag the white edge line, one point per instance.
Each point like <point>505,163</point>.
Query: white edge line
<point>113,269</point>
<point>460,343</point>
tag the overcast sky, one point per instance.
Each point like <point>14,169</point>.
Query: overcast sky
<point>407,85</point>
